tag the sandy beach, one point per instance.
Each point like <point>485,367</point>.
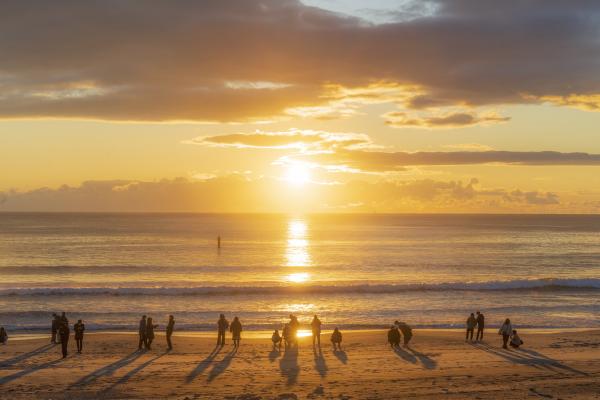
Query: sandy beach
<point>438,364</point>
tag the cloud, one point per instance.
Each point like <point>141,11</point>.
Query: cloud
<point>226,60</point>
<point>235,193</point>
<point>394,161</point>
<point>299,139</point>
<point>399,119</point>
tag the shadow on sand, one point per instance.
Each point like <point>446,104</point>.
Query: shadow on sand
<point>530,358</point>
<point>25,356</point>
<point>274,354</point>
<point>222,365</point>
<point>108,370</point>
<point>320,364</point>
<point>131,373</point>
<point>27,371</point>
<point>414,357</point>
<point>341,355</point>
<point>204,364</point>
<point>288,364</point>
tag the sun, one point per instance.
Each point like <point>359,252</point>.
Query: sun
<point>297,174</point>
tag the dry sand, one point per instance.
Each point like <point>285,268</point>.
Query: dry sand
<point>438,364</point>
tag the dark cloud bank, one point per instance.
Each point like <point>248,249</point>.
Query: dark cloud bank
<point>167,60</point>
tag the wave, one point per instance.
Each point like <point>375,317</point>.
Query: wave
<point>549,284</point>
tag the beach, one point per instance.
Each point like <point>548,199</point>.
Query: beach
<point>553,364</point>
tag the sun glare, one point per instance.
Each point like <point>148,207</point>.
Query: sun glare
<point>298,277</point>
<point>297,174</point>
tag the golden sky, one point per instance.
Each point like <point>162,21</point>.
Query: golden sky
<point>315,106</point>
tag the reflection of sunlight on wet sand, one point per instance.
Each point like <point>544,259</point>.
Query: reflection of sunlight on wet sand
<point>296,253</point>
<point>298,277</point>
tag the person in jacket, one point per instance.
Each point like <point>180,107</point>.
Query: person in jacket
<point>3,335</point>
<point>406,332</point>
<point>316,330</point>
<point>471,322</point>
<point>505,330</point>
<point>222,325</point>
<point>394,336</point>
<point>142,332</point>
<point>236,331</point>
<point>480,326</point>
<point>294,326</point>
<point>169,331</point>
<point>276,339</point>
<point>515,340</point>
<point>55,324</point>
<point>79,328</point>
<point>286,333</point>
<point>336,339</point>
<point>150,326</point>
<point>64,332</point>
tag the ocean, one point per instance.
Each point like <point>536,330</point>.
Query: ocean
<point>354,271</point>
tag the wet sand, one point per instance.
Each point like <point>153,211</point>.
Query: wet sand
<point>438,364</point>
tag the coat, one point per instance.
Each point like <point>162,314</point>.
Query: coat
<point>506,329</point>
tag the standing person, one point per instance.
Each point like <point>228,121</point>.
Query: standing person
<point>142,332</point>
<point>294,326</point>
<point>150,333</point>
<point>55,323</point>
<point>394,336</point>
<point>276,339</point>
<point>79,328</point>
<point>505,330</point>
<point>63,332</point>
<point>236,331</point>
<point>480,326</point>
<point>170,326</point>
<point>286,335</point>
<point>471,322</point>
<point>3,335</point>
<point>336,339</point>
<point>406,332</point>
<point>316,330</point>
<point>222,325</point>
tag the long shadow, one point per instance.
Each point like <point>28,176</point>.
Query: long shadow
<point>288,365</point>
<point>27,371</point>
<point>131,373</point>
<point>222,365</point>
<point>204,364</point>
<point>341,355</point>
<point>530,358</point>
<point>406,356</point>
<point>25,356</point>
<point>320,364</point>
<point>108,369</point>
<point>426,361</point>
<point>274,354</point>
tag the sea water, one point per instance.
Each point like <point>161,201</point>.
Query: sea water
<point>354,271</point>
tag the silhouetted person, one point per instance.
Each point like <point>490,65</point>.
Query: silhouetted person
<point>222,325</point>
<point>3,335</point>
<point>142,332</point>
<point>287,335</point>
<point>63,332</point>
<point>336,339</point>
<point>294,326</point>
<point>169,331</point>
<point>471,322</point>
<point>505,330</point>
<point>394,336</point>
<point>515,340</point>
<point>480,326</point>
<point>150,326</point>
<point>276,339</point>
<point>316,330</point>
<point>236,331</point>
<point>79,328</point>
<point>55,324</point>
<point>406,331</point>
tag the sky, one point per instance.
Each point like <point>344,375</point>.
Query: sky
<point>289,106</point>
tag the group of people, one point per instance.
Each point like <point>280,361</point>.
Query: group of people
<point>398,331</point>
<point>235,328</point>
<point>146,332</point>
<point>61,333</point>
<point>472,322</point>
<point>289,336</point>
<point>509,334</point>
